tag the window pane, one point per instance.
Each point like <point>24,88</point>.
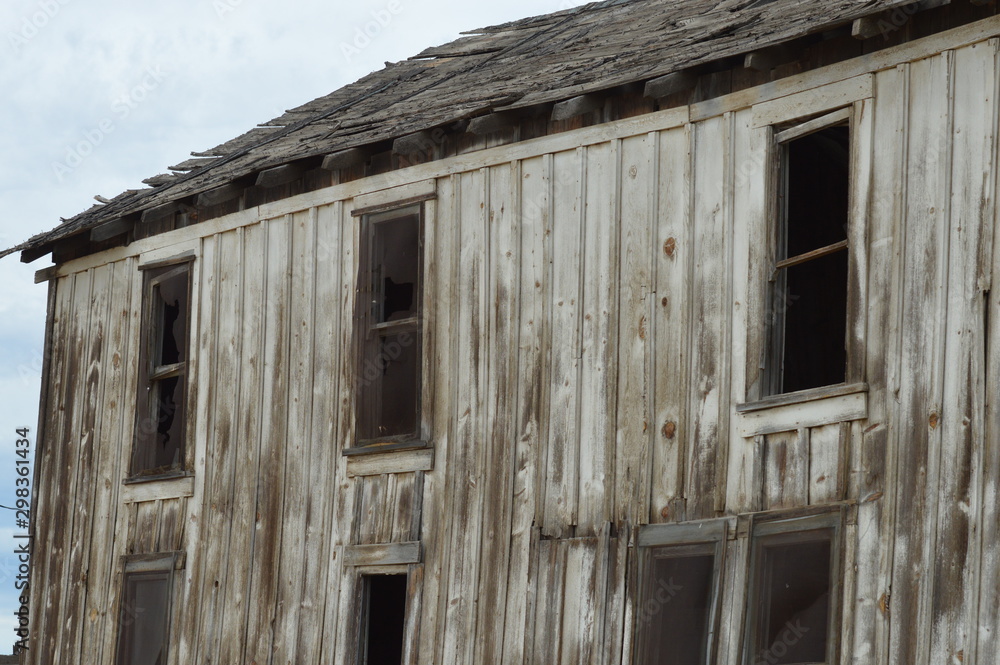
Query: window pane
<point>144,619</point>
<point>385,620</point>
<point>795,601</point>
<point>170,302</point>
<point>396,266</point>
<point>160,436</point>
<point>390,382</point>
<point>815,323</point>
<point>818,190</point>
<point>676,611</point>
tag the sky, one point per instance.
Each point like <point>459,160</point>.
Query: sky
<point>100,94</point>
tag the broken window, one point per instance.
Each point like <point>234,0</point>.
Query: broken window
<point>160,414</point>
<point>676,617</point>
<point>383,619</point>
<point>794,598</point>
<point>144,613</point>
<point>808,299</point>
<point>390,308</point>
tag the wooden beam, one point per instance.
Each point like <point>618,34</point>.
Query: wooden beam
<point>112,229</point>
<point>419,143</point>
<point>218,195</point>
<point>866,27</point>
<point>571,108</point>
<point>767,59</point>
<point>280,175</point>
<point>35,253</point>
<point>345,159</point>
<point>670,84</point>
<point>160,211</point>
<point>45,274</point>
<point>493,122</point>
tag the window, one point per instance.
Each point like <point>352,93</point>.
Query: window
<point>389,389</point>
<point>809,282</point>
<point>680,581</point>
<point>794,600</point>
<point>160,410</point>
<point>383,619</point>
<point>144,614</point>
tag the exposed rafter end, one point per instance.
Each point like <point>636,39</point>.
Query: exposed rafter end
<point>493,122</point>
<point>34,253</point>
<point>417,143</point>
<point>160,211</point>
<point>345,159</point>
<point>767,59</point>
<point>218,195</point>
<point>109,230</point>
<point>571,108</point>
<point>670,84</point>
<point>279,175</point>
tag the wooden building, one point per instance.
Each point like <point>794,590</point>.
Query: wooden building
<point>658,331</point>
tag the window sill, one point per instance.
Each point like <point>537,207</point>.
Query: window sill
<point>803,409</point>
<point>390,458</point>
<point>174,485</point>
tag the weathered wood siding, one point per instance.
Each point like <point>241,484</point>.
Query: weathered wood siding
<point>593,320</point>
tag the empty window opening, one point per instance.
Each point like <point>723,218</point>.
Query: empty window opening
<point>793,598</point>
<point>384,619</point>
<point>809,293</point>
<point>676,611</point>
<point>160,421</point>
<point>389,371</point>
<point>144,619</point>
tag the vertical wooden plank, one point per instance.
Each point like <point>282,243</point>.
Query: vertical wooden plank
<point>108,473</point>
<point>786,470</point>
<point>549,586</point>
<point>225,370</point>
<point>954,561</point>
<point>882,126</point>
<point>274,414</point>
<point>532,218</point>
<point>919,398</point>
<point>562,472</point>
<point>504,325</point>
<point>635,284</point>
<point>672,250</point>
<point>707,387</point>
<point>827,448</point>
<point>750,239</point>
<point>732,599</point>
<point>246,452</point>
<point>598,374</point>
<point>466,460</point>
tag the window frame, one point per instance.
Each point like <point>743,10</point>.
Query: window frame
<point>772,352</point>
<point>162,563</point>
<point>782,528</point>
<point>151,374</point>
<point>709,536</point>
<point>369,332</point>
<point>364,605</point>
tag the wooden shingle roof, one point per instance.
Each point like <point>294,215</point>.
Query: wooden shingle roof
<point>520,64</point>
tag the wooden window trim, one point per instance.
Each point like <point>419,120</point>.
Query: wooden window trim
<point>772,528</point>
<point>165,563</point>
<point>367,330</point>
<point>414,573</point>
<point>150,374</point>
<point>708,537</point>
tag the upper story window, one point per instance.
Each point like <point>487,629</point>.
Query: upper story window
<point>390,304</point>
<point>809,281</point>
<point>145,609</point>
<point>160,430</point>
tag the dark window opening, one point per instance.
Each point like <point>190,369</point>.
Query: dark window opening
<point>675,614</point>
<point>384,619</point>
<point>793,598</point>
<point>144,619</point>
<point>160,413</point>
<point>809,293</point>
<point>389,360</point>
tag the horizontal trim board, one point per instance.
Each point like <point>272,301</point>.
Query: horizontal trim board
<point>157,490</point>
<point>815,125</point>
<point>155,562</point>
<point>810,102</point>
<point>395,205</point>
<point>791,417</point>
<point>399,196</point>
<point>185,257</point>
<point>403,461</point>
<point>685,533</point>
<point>388,554</point>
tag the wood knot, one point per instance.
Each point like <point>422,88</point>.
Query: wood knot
<point>669,431</point>
<point>669,247</point>
<point>934,420</point>
<point>665,512</point>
